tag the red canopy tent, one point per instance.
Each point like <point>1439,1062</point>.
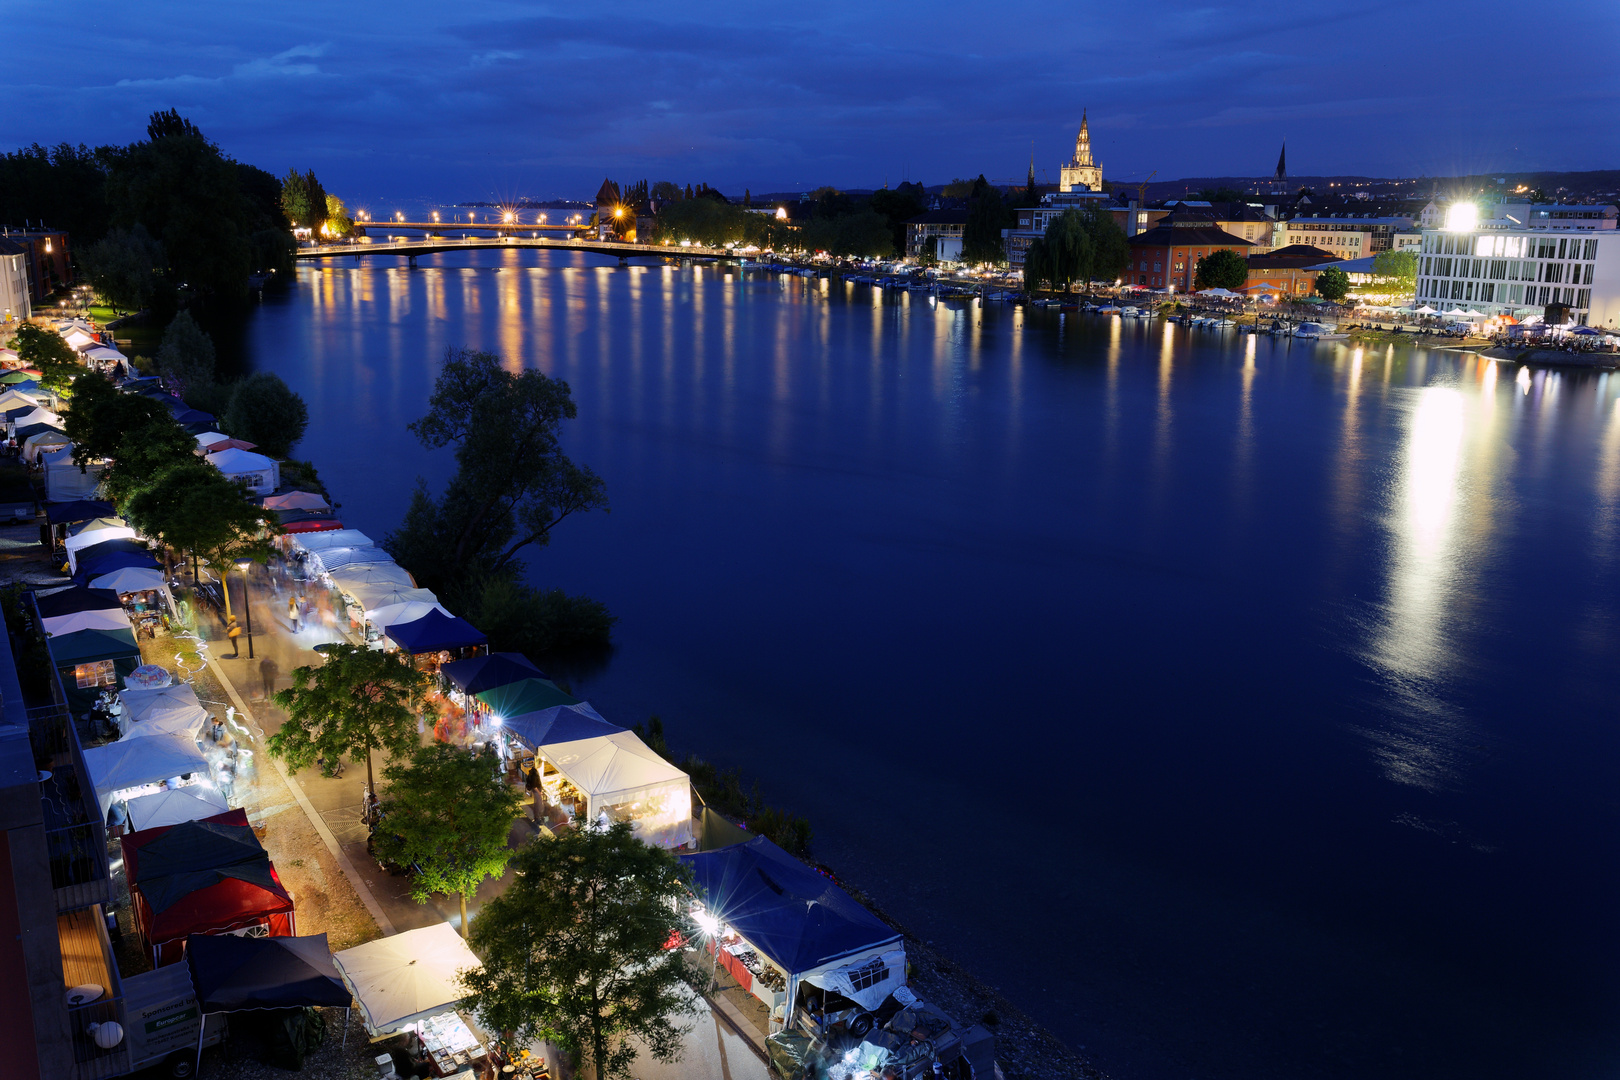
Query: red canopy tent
<point>203,877</point>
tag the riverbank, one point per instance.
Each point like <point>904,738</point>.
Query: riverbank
<point>1552,357</point>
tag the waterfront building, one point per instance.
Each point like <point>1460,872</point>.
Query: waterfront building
<point>1520,271</point>
<point>45,258</point>
<point>1250,221</point>
<point>1034,220</point>
<point>15,303</point>
<point>1347,236</point>
<point>944,227</point>
<point>1288,271</point>
<point>1082,173</point>
<point>1166,256</point>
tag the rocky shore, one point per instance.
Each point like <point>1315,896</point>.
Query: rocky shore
<point>1552,357</point>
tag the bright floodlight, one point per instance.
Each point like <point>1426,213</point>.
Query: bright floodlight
<point>707,923</point>
<point>1462,217</point>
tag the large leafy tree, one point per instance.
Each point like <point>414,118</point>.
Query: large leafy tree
<point>448,811</point>
<point>898,206</point>
<point>45,349</point>
<point>513,483</point>
<point>987,216</point>
<point>125,267</point>
<point>193,507</point>
<point>186,357</point>
<point>63,187</point>
<point>358,702</point>
<point>1333,284</point>
<point>576,950</point>
<point>264,410</point>
<point>1400,266</point>
<point>1223,269</point>
<point>136,435</point>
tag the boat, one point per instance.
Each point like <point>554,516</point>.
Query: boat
<point>1108,309</point>
<point>1318,332</point>
<point>1129,312</point>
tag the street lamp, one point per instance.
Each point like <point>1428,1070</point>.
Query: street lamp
<point>247,605</point>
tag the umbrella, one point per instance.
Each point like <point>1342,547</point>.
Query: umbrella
<point>408,976</point>
<point>148,677</point>
<point>130,579</point>
<point>230,444</point>
<point>1585,330</point>
<point>409,611</point>
<point>370,574</point>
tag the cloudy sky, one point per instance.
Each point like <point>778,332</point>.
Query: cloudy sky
<point>471,99</point>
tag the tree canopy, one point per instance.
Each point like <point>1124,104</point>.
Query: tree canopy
<point>137,435</point>
<point>125,267</point>
<point>1400,265</point>
<point>1333,284</point>
<point>359,701</point>
<point>988,214</point>
<point>186,356</point>
<point>265,411</point>
<point>513,483</point>
<point>1223,269</point>
<point>193,507</point>
<point>448,813</point>
<point>576,950</point>
<point>45,349</point>
<point>1081,244</point>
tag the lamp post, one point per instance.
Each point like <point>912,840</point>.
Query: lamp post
<point>247,605</point>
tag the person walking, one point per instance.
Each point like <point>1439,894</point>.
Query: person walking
<point>292,613</point>
<point>233,632</point>
<point>268,671</point>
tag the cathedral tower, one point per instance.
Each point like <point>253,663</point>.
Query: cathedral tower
<point>1082,173</point>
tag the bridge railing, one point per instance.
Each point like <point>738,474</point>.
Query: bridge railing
<point>606,247</point>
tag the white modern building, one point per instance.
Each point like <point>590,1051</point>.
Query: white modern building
<point>15,306</point>
<point>1568,256</point>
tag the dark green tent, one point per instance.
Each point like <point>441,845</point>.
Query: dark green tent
<point>73,654</point>
<point>527,696</point>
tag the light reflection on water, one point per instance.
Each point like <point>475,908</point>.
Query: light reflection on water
<point>1106,597</point>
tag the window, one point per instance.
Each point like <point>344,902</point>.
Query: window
<point>1588,279</point>
<point>869,975</point>
<point>1583,298</point>
<point>95,673</point>
<point>1591,252</point>
<point>1181,266</point>
<point>1157,267</point>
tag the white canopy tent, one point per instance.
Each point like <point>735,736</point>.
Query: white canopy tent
<point>37,415</point>
<point>175,806</point>
<point>337,558</point>
<point>261,474</point>
<point>621,777</point>
<point>43,443</point>
<point>128,763</point>
<point>73,622</point>
<point>407,612</point>
<point>383,598</point>
<point>132,579</point>
<point>209,438</point>
<point>76,544</point>
<point>104,354</point>
<point>65,481</point>
<point>78,339</point>
<point>166,710</point>
<point>357,579</point>
<point>408,977</point>
<point>96,525</point>
<point>325,541</point>
<point>296,500</point>
<point>16,399</point>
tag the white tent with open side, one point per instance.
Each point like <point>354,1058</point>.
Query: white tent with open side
<point>74,621</point>
<point>132,579</point>
<point>622,778</point>
<point>408,977</point>
<point>261,474</point>
<point>362,579</point>
<point>128,763</point>
<point>75,544</point>
<point>65,481</point>
<point>166,710</point>
<point>43,442</point>
<point>175,806</point>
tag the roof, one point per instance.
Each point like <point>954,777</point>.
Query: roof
<point>1293,256</point>
<point>1350,266</point>
<point>1349,220</point>
<point>71,600</point>
<point>1162,235</point>
<point>487,672</point>
<point>239,461</point>
<point>789,912</point>
<point>957,216</point>
<point>607,193</point>
<point>232,973</point>
<point>85,646</point>
<point>525,696</point>
<point>560,724</point>
<point>435,631</point>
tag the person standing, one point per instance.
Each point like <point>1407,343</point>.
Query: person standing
<point>233,632</point>
<point>292,613</point>
<point>268,671</point>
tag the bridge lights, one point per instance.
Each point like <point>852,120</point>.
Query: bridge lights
<point>510,216</point>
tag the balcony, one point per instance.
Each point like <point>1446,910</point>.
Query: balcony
<point>87,961</point>
<point>75,837</point>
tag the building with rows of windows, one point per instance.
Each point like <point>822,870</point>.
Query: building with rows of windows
<point>1505,271</point>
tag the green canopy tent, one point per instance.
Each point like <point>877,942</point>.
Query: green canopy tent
<point>89,660</point>
<point>526,696</point>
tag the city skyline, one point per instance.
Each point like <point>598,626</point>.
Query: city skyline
<point>491,100</point>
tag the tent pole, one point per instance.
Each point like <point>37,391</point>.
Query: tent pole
<point>346,1010</point>
<point>202,1029</point>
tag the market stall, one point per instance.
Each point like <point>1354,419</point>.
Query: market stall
<point>775,923</point>
<point>335,538</point>
<point>614,776</point>
<point>93,539</point>
<point>63,513</point>
<point>90,660</point>
<point>203,877</point>
<point>99,619</point>
<point>479,673</point>
<point>525,696</point>
<point>66,481</point>
<point>175,806</point>
<point>435,632</point>
<point>236,973</point>
<point>259,473</point>
<point>119,768</point>
<point>330,559</point>
<point>77,598</point>
<point>404,980</point>
<point>94,564</point>
<point>296,500</point>
<point>41,443</point>
<point>167,710</point>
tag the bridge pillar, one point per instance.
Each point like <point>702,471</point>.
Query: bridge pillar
<point>624,260</point>
<point>412,259</point>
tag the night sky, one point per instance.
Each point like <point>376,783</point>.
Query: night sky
<point>471,99</point>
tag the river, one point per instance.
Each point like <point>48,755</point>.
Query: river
<point>1240,707</point>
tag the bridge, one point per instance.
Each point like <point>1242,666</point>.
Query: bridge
<point>433,245</point>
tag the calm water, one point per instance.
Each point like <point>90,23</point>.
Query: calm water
<point>1241,708</point>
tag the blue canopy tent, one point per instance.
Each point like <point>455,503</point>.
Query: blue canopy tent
<point>232,973</point>
<point>90,569</point>
<point>800,921</point>
<point>78,510</point>
<point>72,601</point>
<point>479,673</point>
<point>559,724</point>
<point>433,632</point>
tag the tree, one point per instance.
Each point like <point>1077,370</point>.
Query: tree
<point>1223,269</point>
<point>359,701</point>
<point>124,267</point>
<point>193,507</point>
<point>513,483</point>
<point>1333,284</point>
<point>987,216</point>
<point>520,618</point>
<point>295,198</point>
<point>136,435</point>
<point>899,205</point>
<point>45,349</point>
<point>64,186</point>
<point>1221,194</point>
<point>264,410</point>
<point>338,221</point>
<point>448,812</point>
<point>1401,266</point>
<point>667,192</point>
<point>186,357</point>
<point>577,951</point>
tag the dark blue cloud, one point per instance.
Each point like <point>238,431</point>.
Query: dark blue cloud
<point>390,101</point>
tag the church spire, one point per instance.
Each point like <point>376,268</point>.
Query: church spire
<point>1029,189</point>
<point>1282,164</point>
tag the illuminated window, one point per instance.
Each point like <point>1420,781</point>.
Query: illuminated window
<point>95,673</point>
